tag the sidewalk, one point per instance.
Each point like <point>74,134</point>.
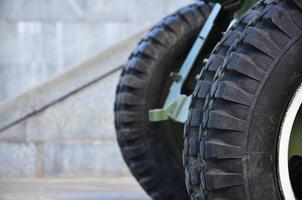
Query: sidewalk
<point>105,189</point>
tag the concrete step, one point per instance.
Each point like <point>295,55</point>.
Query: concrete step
<point>64,128</point>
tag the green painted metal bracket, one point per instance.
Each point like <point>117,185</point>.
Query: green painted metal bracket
<point>176,106</point>
<point>176,111</point>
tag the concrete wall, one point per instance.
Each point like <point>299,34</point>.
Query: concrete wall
<point>40,39</point>
<point>72,138</point>
<point>64,127</point>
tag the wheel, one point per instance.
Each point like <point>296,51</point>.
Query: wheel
<point>153,150</point>
<point>250,142</point>
<point>192,131</point>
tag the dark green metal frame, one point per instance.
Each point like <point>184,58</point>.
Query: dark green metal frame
<point>176,106</point>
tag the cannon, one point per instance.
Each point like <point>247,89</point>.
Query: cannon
<point>209,103</point>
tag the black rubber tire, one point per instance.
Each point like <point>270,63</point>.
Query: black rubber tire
<point>192,127</point>
<point>143,85</point>
<point>246,103</point>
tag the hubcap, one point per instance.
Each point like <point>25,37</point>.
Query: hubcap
<point>290,148</point>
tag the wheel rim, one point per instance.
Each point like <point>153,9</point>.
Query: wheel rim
<point>288,143</point>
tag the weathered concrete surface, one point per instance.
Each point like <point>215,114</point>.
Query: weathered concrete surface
<point>73,137</point>
<point>82,160</point>
<point>64,127</point>
<point>74,10</point>
<point>18,160</point>
<point>105,189</point>
<point>70,82</point>
<point>85,116</point>
<point>41,39</point>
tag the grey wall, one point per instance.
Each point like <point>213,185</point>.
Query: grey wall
<point>40,39</point>
<point>64,128</point>
<point>73,138</point>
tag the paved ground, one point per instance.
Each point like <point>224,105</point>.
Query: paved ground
<point>109,189</point>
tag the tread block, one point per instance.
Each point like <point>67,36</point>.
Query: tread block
<point>141,167</point>
<point>219,150</point>
<point>214,85</point>
<point>188,122</point>
<point>188,179</point>
<point>185,159</point>
<point>194,173</point>
<point>150,182</point>
<point>251,16</point>
<point>261,40</point>
<point>196,89</point>
<point>244,65</point>
<point>204,88</point>
<point>283,21</point>
<point>131,152</point>
<point>134,62</point>
<point>229,91</point>
<point>269,2</point>
<point>159,35</point>
<point>173,25</point>
<point>196,117</point>
<point>146,49</point>
<point>204,8</point>
<point>127,116</point>
<point>223,120</point>
<point>198,196</point>
<point>187,15</point>
<point>128,99</point>
<point>128,134</point>
<point>205,117</point>
<point>186,146</point>
<point>193,145</point>
<point>217,179</point>
<point>201,148</point>
<point>215,62</point>
<point>232,37</point>
<point>132,81</point>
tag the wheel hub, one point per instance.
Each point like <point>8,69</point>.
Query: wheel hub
<point>290,148</point>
